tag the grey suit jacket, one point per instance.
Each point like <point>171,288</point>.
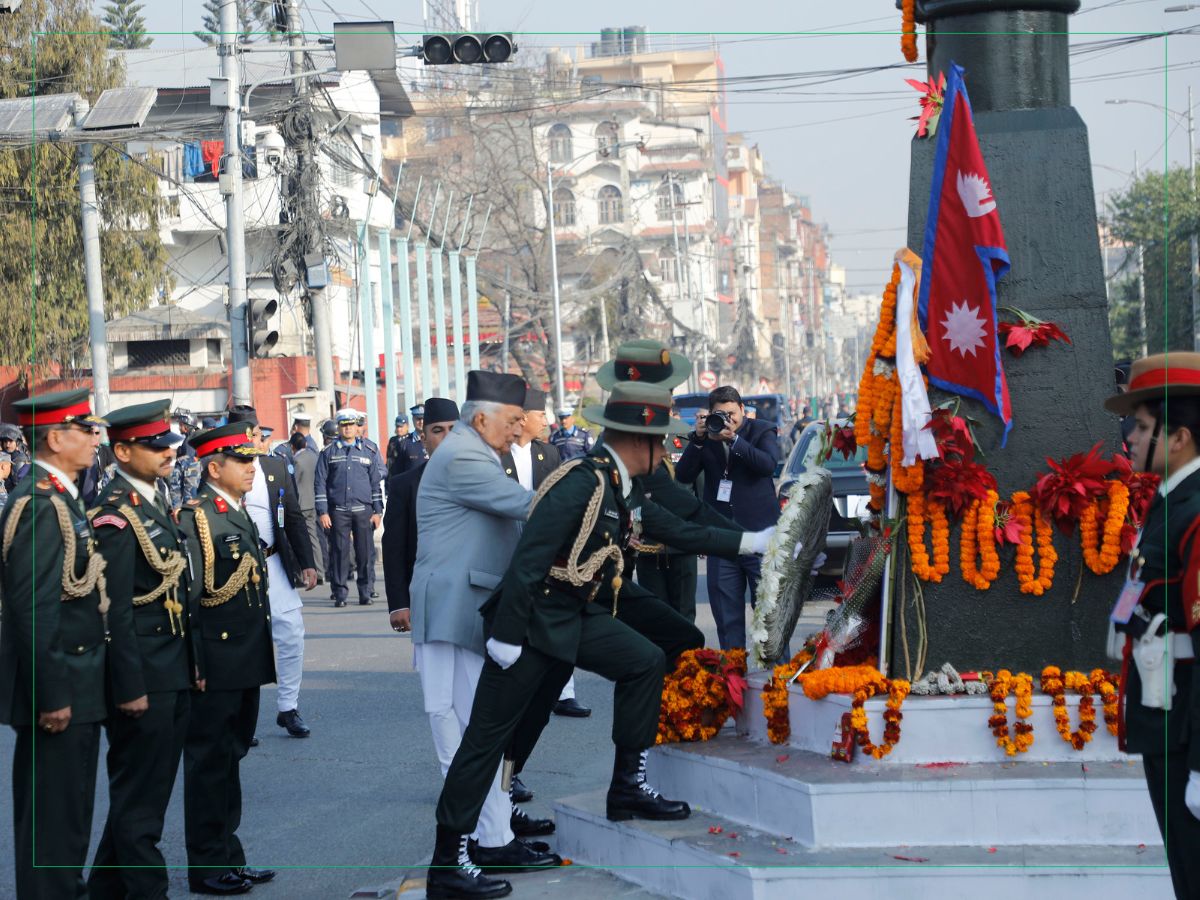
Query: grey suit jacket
<point>469,518</point>
<point>305,466</point>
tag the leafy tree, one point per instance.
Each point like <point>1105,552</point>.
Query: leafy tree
<point>1123,321</point>
<point>254,18</point>
<point>44,320</point>
<point>1161,213</point>
<point>123,18</point>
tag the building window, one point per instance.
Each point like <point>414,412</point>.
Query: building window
<point>608,136</point>
<point>154,354</point>
<point>667,270</point>
<point>345,163</point>
<point>436,128</point>
<point>612,209</point>
<point>668,199</point>
<point>368,152</point>
<point>564,207</point>
<point>214,351</point>
<point>560,144</point>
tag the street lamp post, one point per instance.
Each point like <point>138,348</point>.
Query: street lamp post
<point>1194,240</point>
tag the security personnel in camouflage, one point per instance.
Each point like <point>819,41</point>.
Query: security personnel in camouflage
<point>235,658</point>
<point>51,574</point>
<point>185,477</point>
<point>151,657</point>
<point>558,607</point>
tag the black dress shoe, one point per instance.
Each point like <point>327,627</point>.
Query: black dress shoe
<point>515,856</point>
<point>339,603</point>
<point>523,825</point>
<point>572,708</point>
<point>253,742</point>
<point>518,792</point>
<point>225,884</point>
<point>295,727</point>
<point>256,876</point>
<point>365,601</point>
<point>374,595</point>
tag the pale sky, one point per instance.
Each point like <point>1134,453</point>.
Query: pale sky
<point>843,143</point>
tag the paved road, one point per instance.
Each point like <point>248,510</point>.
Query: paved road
<point>352,806</point>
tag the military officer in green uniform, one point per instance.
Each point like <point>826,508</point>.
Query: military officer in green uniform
<point>52,647</point>
<point>1159,609</point>
<point>235,658</point>
<point>151,663</point>
<point>664,570</point>
<point>560,605</point>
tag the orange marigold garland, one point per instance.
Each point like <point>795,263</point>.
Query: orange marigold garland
<point>1034,526</point>
<point>701,694</point>
<point>877,395</point>
<point>978,540</point>
<point>1056,683</point>
<point>922,566</point>
<point>775,697</point>
<point>1102,544</point>
<point>1105,684</point>
<point>908,29</point>
<point>1021,737</point>
<point>896,689</point>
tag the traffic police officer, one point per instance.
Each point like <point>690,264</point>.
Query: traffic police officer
<point>410,451</point>
<point>349,502</point>
<point>571,440</point>
<point>235,658</point>
<point>1159,609</point>
<point>400,427</point>
<point>151,660</point>
<point>50,573</point>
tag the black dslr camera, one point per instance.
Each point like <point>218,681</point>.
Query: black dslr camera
<point>717,422</point>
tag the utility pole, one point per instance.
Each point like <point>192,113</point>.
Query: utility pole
<point>93,274</point>
<point>231,187</point>
<point>1195,242</point>
<point>558,354</point>
<point>675,235</point>
<point>1141,261</point>
<point>506,322</point>
<point>305,159</point>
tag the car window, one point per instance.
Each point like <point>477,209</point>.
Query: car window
<point>805,455</point>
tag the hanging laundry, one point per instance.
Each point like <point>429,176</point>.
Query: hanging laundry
<point>211,152</point>
<point>193,160</point>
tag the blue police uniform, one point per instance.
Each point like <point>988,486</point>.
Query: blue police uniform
<point>347,487</point>
<point>573,442</point>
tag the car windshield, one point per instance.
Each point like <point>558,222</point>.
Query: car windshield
<point>805,457</point>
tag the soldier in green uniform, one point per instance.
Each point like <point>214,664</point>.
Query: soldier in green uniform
<point>1159,609</point>
<point>52,647</point>
<point>560,606</point>
<point>151,663</point>
<point>235,658</point>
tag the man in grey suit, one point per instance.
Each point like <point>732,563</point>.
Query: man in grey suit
<point>469,518</point>
<point>304,465</point>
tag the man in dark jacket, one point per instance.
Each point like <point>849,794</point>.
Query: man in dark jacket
<point>737,456</point>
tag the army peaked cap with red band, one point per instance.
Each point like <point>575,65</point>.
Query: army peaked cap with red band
<point>1175,374</point>
<point>234,439</point>
<point>58,408</point>
<point>638,409</point>
<point>148,424</point>
<point>647,362</point>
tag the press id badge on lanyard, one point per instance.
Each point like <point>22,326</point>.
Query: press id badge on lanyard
<point>724,490</point>
<point>279,511</point>
<point>1131,592</point>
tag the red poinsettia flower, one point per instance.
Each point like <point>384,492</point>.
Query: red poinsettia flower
<point>953,435</point>
<point>1029,332</point>
<point>844,441</point>
<point>1070,485</point>
<point>956,483</point>
<point>1128,538</point>
<point>1005,525</point>
<point>932,96</point>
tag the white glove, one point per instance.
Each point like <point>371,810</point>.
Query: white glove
<point>755,542</point>
<point>504,654</point>
<point>1191,796</point>
<point>818,562</point>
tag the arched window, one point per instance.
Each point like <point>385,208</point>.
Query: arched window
<point>564,207</point>
<point>560,143</point>
<point>612,209</point>
<point>663,200</point>
<point>608,135</point>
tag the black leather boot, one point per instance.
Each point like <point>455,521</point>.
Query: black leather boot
<point>523,825</point>
<point>630,797</point>
<point>452,875</point>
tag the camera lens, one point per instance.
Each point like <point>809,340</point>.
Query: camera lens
<point>717,422</point>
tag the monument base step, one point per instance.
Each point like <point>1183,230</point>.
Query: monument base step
<point>708,857</point>
<point>819,802</point>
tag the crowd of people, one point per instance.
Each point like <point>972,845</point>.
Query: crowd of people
<point>163,575</point>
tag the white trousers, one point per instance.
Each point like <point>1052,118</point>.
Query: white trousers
<point>287,631</point>
<point>449,676</point>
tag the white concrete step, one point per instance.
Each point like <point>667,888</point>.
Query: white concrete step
<point>819,802</point>
<point>692,860</point>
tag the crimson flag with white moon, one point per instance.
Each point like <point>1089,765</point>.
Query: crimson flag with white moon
<point>963,257</point>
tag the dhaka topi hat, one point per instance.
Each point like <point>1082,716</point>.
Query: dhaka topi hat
<point>439,409</point>
<point>495,387</point>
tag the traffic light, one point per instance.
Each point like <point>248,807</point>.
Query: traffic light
<point>466,49</point>
<point>263,337</point>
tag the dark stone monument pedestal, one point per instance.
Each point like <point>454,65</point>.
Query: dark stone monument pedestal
<point>1036,148</point>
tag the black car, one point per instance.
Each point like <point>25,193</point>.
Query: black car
<point>850,492</point>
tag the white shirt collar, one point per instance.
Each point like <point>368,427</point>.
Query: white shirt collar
<point>143,487</point>
<point>220,493</point>
<point>626,481</point>
<point>1178,476</point>
<point>67,481</point>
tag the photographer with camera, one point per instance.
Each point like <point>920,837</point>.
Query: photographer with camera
<point>737,456</point>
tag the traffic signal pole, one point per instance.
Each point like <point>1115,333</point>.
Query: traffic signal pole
<point>231,187</point>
